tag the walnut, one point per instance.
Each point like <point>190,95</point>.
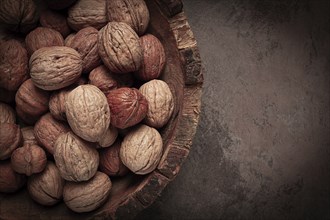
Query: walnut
<point>161,102</point>
<point>89,195</point>
<point>46,187</point>
<point>88,112</point>
<point>56,67</point>
<point>127,106</point>
<point>10,139</point>
<point>76,159</point>
<point>7,114</point>
<point>109,137</point>
<point>18,15</point>
<point>28,159</point>
<point>69,39</point>
<point>13,64</point>
<point>133,12</point>
<point>43,37</point>
<point>56,21</point>
<point>57,103</point>
<point>141,149</point>
<point>153,58</point>
<point>31,102</point>
<point>47,130</point>
<point>82,15</point>
<point>10,181</point>
<point>102,78</point>
<point>85,42</point>
<point>59,4</point>
<point>28,135</point>
<point>119,48</point>
<point>110,162</point>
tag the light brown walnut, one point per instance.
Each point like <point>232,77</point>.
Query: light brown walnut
<point>109,137</point>
<point>28,135</point>
<point>10,139</point>
<point>102,78</point>
<point>7,114</point>
<point>68,39</point>
<point>10,181</point>
<point>56,21</point>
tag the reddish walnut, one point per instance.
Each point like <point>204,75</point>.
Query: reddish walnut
<point>82,15</point>
<point>13,64</point>
<point>133,12</point>
<point>119,48</point>
<point>102,78</point>
<point>68,39</point>
<point>46,188</point>
<point>109,137</point>
<point>29,159</point>
<point>110,162</point>
<point>7,114</point>
<point>85,42</point>
<point>47,130</point>
<point>10,181</point>
<point>87,196</point>
<point>76,159</point>
<point>43,37</point>
<point>57,104</point>
<point>53,68</point>
<point>56,21</point>
<point>10,139</point>
<point>153,58</point>
<point>28,136</point>
<point>128,107</point>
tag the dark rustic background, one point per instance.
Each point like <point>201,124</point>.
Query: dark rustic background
<point>262,149</point>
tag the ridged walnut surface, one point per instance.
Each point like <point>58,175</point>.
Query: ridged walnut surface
<point>7,114</point>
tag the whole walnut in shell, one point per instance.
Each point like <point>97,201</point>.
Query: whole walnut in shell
<point>109,137</point>
<point>13,64</point>
<point>28,135</point>
<point>57,103</point>
<point>56,67</point>
<point>7,114</point>
<point>10,139</point>
<point>88,112</point>
<point>43,37</point>
<point>87,13</point>
<point>103,79</point>
<point>161,102</point>
<point>59,4</point>
<point>76,159</point>
<point>68,39</point>
<point>46,188</point>
<point>10,181</point>
<point>28,159</point>
<point>56,21</point>
<point>119,48</point>
<point>141,149</point>
<point>128,107</point>
<point>89,195</point>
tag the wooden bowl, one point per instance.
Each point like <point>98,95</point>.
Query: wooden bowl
<point>133,193</point>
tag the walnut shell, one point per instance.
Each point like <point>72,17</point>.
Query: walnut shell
<point>28,136</point>
<point>46,188</point>
<point>57,104</point>
<point>56,21</point>
<point>10,139</point>
<point>7,114</point>
<point>141,149</point>
<point>47,130</point>
<point>28,159</point>
<point>135,13</point>
<point>88,112</point>
<point>109,137</point>
<point>10,181</point>
<point>59,4</point>
<point>13,64</point>
<point>82,15</point>
<point>68,39</point>
<point>161,102</point>
<point>76,159</point>
<point>87,196</point>
<point>153,58</point>
<point>85,42</point>
<point>43,37</point>
<point>119,48</point>
<point>102,78</point>
<point>56,67</point>
<point>128,107</point>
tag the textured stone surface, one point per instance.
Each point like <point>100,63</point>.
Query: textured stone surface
<point>262,146</point>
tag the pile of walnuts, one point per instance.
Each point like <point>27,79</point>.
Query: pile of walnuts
<point>81,98</point>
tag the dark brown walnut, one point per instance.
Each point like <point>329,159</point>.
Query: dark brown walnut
<point>59,4</point>
<point>47,130</point>
<point>46,188</point>
<point>43,37</point>
<point>57,104</point>
<point>120,48</point>
<point>85,42</point>
<point>31,102</point>
<point>18,15</point>
<point>110,162</point>
<point>133,12</point>
<point>13,64</point>
<point>7,96</point>
<point>87,13</point>
<point>28,135</point>
<point>76,159</point>
<point>128,107</point>
<point>7,114</point>
<point>102,78</point>
<point>68,39</point>
<point>10,139</point>
<point>56,21</point>
<point>56,67</point>
<point>87,196</point>
<point>10,181</point>
<point>153,58</point>
<point>29,159</point>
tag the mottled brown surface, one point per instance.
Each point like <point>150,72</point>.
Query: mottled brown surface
<point>56,21</point>
<point>102,78</point>
<point>10,139</point>
<point>10,181</point>
<point>7,114</point>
